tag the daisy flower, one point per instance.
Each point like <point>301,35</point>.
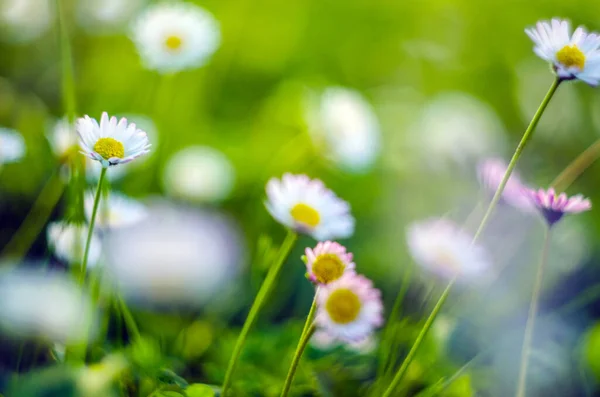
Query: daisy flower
<point>12,146</point>
<point>307,206</point>
<point>349,308</point>
<point>42,304</point>
<point>573,56</point>
<point>343,125</point>
<point>199,173</point>
<point>122,211</point>
<point>112,141</point>
<point>327,262</point>
<point>62,138</point>
<point>68,242</point>
<point>491,171</point>
<point>175,36</point>
<point>553,206</point>
<point>175,256</point>
<point>441,247</point>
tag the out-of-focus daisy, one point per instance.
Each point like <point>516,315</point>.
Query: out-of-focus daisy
<point>62,138</point>
<point>455,128</point>
<point>575,56</point>
<point>324,341</point>
<point>112,141</point>
<point>349,308</point>
<point>306,205</point>
<point>491,171</point>
<point>22,21</point>
<point>553,206</point>
<point>121,211</point>
<point>199,173</point>
<point>95,380</point>
<point>175,256</point>
<point>442,248</point>
<point>327,262</point>
<point>174,36</point>
<point>106,16</point>
<point>68,241</point>
<point>344,127</point>
<point>47,305</point>
<point>12,146</point>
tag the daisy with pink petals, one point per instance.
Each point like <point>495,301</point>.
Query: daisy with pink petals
<point>327,262</point>
<point>553,206</point>
<point>349,309</point>
<point>307,206</point>
<point>491,171</point>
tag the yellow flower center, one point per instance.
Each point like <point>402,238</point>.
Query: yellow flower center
<point>327,268</point>
<point>109,148</point>
<point>173,42</point>
<point>571,56</point>
<point>305,214</point>
<point>447,260</point>
<point>343,306</point>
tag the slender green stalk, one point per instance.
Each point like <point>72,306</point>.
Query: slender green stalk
<point>128,318</point>
<point>311,314</point>
<point>257,305</point>
<point>68,77</point>
<point>413,350</point>
<point>91,226</point>
<point>296,360</point>
<point>35,219</point>
<point>577,167</point>
<point>537,288</point>
<point>515,158</point>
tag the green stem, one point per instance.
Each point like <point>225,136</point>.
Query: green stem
<point>537,287</point>
<point>413,350</point>
<point>257,305</point>
<point>128,318</point>
<point>577,167</point>
<point>35,219</point>
<point>515,158</point>
<point>297,355</point>
<point>91,226</point>
<point>68,77</point>
<point>311,314</point>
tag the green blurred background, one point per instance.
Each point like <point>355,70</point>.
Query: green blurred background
<point>451,82</point>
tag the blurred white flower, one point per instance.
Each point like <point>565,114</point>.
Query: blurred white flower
<point>199,173</point>
<point>344,127</point>
<point>67,240</point>
<point>12,146</point>
<point>175,256</point>
<point>121,211</point>
<point>48,305</point>
<point>441,247</point>
<point>23,21</point>
<point>107,16</point>
<point>175,36</point>
<point>62,137</point>
<point>96,380</point>
<point>456,128</point>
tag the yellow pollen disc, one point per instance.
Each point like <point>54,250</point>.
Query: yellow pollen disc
<point>447,260</point>
<point>305,214</point>
<point>327,268</point>
<point>109,147</point>
<point>173,42</point>
<point>571,56</point>
<point>343,306</point>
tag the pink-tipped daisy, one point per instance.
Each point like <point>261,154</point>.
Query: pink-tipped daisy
<point>491,172</point>
<point>553,206</point>
<point>327,262</point>
<point>112,141</point>
<point>572,56</point>
<point>307,206</point>
<point>349,308</point>
<point>441,247</point>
